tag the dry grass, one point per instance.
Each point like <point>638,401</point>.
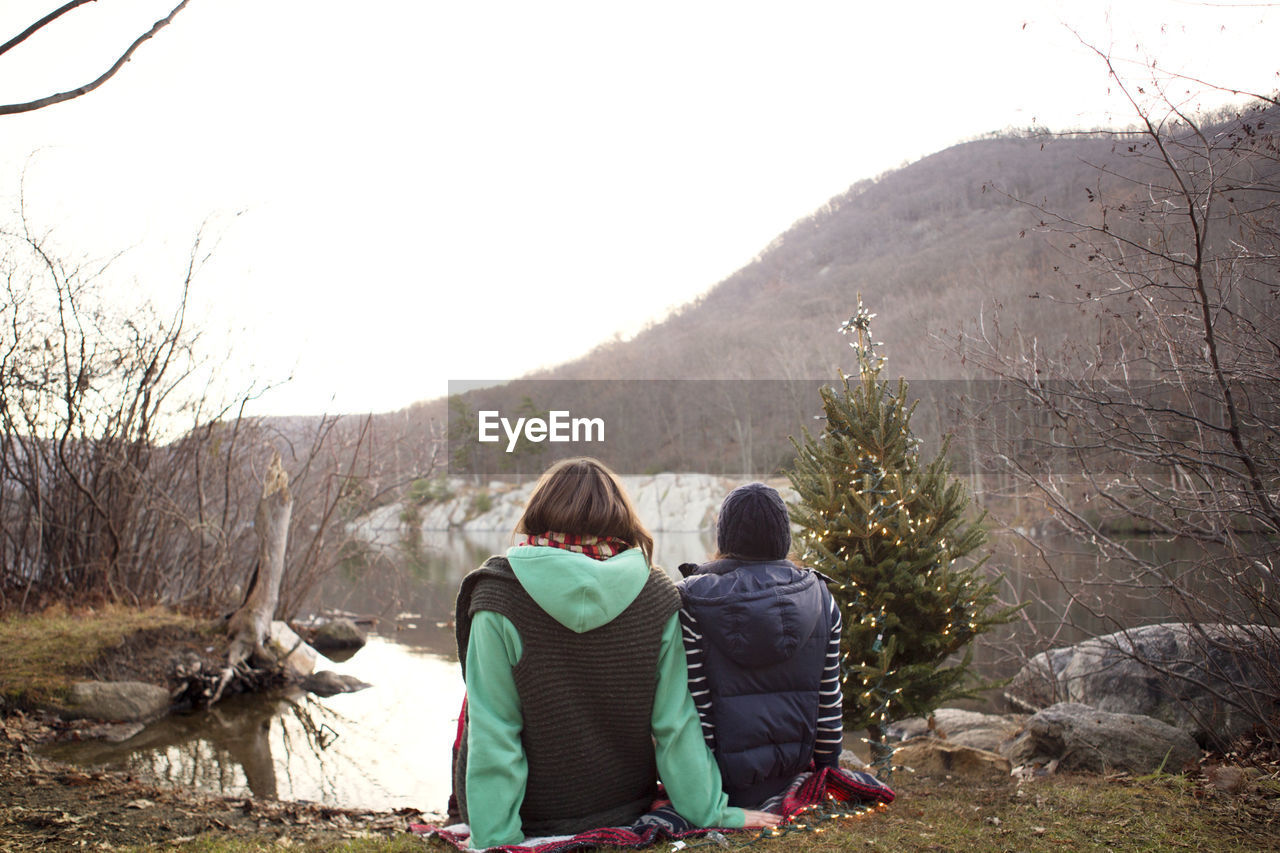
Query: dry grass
<point>41,654</point>
<point>1068,813</point>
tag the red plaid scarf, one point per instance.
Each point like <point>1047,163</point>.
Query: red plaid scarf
<point>595,547</point>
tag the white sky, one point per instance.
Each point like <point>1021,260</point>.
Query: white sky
<point>411,192</point>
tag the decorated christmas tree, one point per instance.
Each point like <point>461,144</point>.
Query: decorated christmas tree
<point>893,533</point>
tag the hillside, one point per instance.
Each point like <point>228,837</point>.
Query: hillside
<point>931,247</point>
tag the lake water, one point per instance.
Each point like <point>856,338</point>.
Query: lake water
<point>389,746</point>
<point>380,748</point>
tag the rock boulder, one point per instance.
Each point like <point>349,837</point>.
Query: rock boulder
<point>1211,681</point>
<point>965,728</point>
<point>1079,737</point>
<point>298,658</point>
<point>851,760</point>
<point>111,732</point>
<point>930,756</point>
<point>338,635</point>
<point>124,701</point>
<point>326,682</point>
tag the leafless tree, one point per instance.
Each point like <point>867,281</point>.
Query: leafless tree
<point>1164,420</point>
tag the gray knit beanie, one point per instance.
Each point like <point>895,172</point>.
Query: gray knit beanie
<point>753,524</point>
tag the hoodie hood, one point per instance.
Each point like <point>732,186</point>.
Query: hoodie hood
<point>577,591</point>
<point>758,614</point>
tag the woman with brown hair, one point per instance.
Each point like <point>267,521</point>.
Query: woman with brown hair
<point>577,691</point>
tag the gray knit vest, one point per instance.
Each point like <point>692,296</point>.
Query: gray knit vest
<point>587,701</point>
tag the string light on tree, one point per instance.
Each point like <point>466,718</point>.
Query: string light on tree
<point>893,533</point>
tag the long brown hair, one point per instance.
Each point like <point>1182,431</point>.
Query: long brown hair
<point>581,496</point>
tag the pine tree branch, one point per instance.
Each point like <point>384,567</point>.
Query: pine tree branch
<point>50,100</point>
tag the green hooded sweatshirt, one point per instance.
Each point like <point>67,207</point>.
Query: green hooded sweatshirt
<point>580,593</point>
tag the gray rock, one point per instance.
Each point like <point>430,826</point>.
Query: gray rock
<point>907,729</point>
<point>1213,681</point>
<point>966,728</point>
<point>991,739</point>
<point>297,657</point>
<point>126,701</point>
<point>338,634</point>
<point>1079,737</point>
<point>326,682</point>
<point>851,760</point>
<point>956,720</point>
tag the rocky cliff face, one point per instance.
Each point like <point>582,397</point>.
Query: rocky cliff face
<point>666,503</point>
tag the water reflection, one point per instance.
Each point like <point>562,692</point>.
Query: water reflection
<point>1072,592</point>
<point>381,748</point>
<point>417,580</point>
<point>226,750</point>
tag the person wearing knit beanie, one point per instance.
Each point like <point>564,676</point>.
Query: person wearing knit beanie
<point>762,645</point>
<point>753,524</point>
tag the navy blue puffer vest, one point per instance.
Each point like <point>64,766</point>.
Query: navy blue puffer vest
<point>765,628</point>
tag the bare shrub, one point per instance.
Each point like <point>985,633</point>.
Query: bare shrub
<point>122,475</point>
<point>1162,425</point>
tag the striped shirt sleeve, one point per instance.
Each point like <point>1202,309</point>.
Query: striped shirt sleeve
<point>698,686</point>
<point>830,740</point>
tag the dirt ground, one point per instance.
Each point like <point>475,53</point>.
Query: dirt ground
<point>45,805</point>
<point>151,655</point>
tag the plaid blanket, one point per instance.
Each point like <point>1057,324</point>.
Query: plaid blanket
<point>848,787</point>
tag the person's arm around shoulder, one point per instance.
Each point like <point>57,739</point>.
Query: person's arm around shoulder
<point>685,764</point>
<point>497,769</point>
<point>829,743</point>
<point>699,686</point>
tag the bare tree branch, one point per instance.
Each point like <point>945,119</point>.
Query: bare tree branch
<point>40,24</point>
<point>50,100</point>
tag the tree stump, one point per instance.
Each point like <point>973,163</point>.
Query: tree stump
<point>249,625</point>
